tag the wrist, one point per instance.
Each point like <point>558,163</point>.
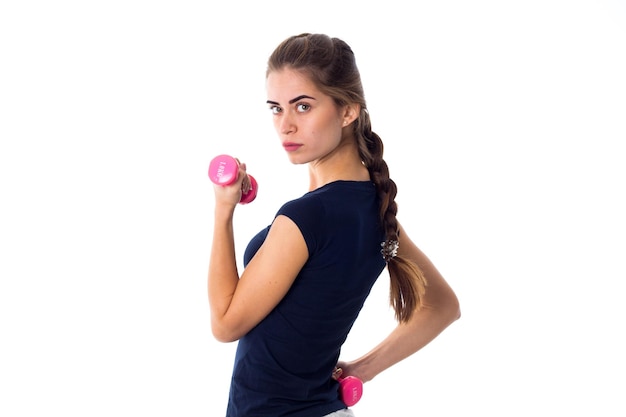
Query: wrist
<point>362,369</point>
<point>223,213</point>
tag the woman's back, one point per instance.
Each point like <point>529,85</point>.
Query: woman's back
<point>284,365</point>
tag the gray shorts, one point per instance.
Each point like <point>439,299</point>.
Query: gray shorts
<point>346,412</point>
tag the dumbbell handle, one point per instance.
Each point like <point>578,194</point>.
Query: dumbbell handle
<point>350,390</point>
<point>223,170</point>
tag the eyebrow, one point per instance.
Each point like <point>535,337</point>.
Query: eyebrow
<point>293,100</point>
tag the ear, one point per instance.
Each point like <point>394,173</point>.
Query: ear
<point>351,113</point>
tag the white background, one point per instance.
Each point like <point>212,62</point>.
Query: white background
<point>504,125</point>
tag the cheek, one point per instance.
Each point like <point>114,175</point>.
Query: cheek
<point>325,139</point>
<point>276,123</point>
<point>330,127</point>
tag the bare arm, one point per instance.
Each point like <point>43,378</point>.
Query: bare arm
<point>441,308</point>
<point>240,303</point>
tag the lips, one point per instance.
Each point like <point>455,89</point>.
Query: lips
<point>290,146</point>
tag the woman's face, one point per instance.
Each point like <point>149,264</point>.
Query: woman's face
<point>308,122</point>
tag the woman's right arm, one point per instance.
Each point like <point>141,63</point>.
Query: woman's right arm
<point>441,308</point>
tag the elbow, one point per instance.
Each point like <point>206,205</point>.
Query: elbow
<point>223,337</point>
<point>456,310</point>
<point>453,308</point>
<point>447,307</point>
<point>223,333</point>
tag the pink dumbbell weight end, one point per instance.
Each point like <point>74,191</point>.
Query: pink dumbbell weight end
<point>351,390</point>
<point>223,170</point>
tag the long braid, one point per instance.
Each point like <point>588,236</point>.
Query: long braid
<point>407,282</point>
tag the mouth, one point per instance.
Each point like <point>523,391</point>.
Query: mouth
<point>291,147</point>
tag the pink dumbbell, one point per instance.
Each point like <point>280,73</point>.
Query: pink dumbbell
<point>223,170</point>
<point>350,390</point>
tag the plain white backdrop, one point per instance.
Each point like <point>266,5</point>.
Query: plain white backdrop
<point>504,124</point>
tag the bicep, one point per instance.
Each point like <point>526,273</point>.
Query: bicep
<point>437,287</point>
<point>410,250</point>
<point>268,276</point>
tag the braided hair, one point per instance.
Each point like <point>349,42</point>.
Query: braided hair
<point>331,65</point>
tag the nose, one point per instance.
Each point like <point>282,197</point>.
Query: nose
<point>286,124</point>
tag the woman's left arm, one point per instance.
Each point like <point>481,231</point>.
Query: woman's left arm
<point>240,303</point>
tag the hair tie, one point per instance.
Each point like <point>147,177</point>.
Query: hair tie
<point>389,249</point>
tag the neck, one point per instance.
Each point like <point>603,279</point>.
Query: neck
<point>343,164</point>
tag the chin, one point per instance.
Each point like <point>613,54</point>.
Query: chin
<point>297,161</point>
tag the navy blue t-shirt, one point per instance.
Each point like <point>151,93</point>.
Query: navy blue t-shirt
<point>283,365</point>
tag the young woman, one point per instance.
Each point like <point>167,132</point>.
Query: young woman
<point>308,274</point>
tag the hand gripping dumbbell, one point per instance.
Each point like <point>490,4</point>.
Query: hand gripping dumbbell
<point>223,170</point>
<point>350,390</point>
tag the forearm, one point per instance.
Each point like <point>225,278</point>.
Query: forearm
<point>402,342</point>
<point>223,275</point>
<point>441,308</point>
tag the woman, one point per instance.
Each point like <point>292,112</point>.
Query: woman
<point>308,274</point>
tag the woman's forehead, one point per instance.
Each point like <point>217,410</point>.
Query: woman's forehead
<point>286,84</point>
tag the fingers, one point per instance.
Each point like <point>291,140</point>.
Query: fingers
<point>232,184</point>
<point>246,184</point>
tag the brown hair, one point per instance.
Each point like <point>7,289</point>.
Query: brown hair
<point>331,65</point>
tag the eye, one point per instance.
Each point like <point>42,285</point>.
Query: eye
<point>302,107</point>
<point>275,109</point>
